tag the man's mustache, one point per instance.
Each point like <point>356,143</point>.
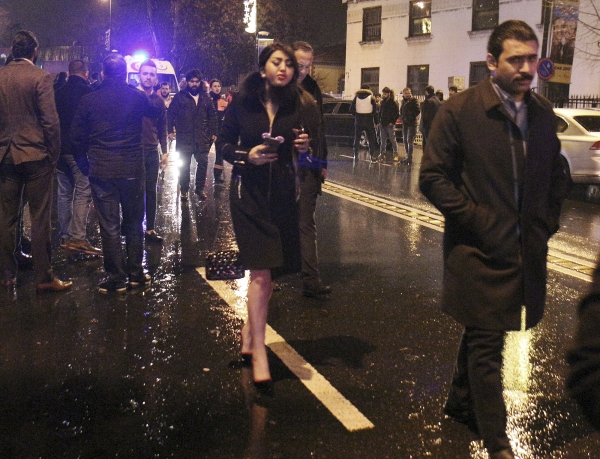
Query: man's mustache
<point>524,78</point>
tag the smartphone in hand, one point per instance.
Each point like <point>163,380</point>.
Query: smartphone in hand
<point>272,143</point>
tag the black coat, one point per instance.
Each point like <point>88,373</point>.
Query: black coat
<point>429,108</point>
<point>194,124</point>
<point>495,247</point>
<point>409,111</point>
<point>388,111</point>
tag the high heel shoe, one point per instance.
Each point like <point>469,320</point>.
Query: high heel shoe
<point>246,359</point>
<point>265,388</point>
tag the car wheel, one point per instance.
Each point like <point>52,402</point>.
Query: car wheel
<point>565,167</point>
<point>364,142</point>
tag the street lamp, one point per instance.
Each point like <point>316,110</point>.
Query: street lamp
<point>108,43</point>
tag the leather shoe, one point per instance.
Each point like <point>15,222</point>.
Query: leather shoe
<point>317,290</point>
<point>503,454</point>
<point>466,417</point>
<point>24,260</point>
<point>55,285</point>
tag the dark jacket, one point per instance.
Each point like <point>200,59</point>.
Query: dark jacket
<point>67,99</point>
<point>495,245</point>
<point>429,108</point>
<point>194,124</point>
<point>356,107</point>
<point>388,111</point>
<point>311,86</point>
<point>154,130</point>
<point>409,111</point>
<point>583,357</point>
<point>219,101</point>
<point>108,126</point>
<point>29,125</point>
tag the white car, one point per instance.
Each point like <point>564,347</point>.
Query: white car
<point>579,132</point>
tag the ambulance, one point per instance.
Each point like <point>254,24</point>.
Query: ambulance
<point>165,71</point>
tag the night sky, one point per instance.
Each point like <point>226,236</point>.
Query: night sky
<point>46,17</point>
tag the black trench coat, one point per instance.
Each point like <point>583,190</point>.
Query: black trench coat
<point>495,244</point>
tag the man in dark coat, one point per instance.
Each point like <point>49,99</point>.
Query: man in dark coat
<point>193,119</point>
<point>74,193</point>
<point>429,108</point>
<point>492,167</point>
<point>388,115</point>
<point>29,150</point>
<point>108,126</point>
<point>312,171</point>
<point>364,109</point>
<point>409,112</point>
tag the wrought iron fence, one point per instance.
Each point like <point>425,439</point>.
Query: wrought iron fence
<point>579,102</point>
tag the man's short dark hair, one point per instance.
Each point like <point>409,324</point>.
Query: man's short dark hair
<point>147,63</point>
<point>512,29</point>
<point>194,73</point>
<point>302,46</point>
<point>429,90</point>
<point>365,86</point>
<point>453,88</point>
<point>24,44</point>
<point>114,66</point>
<point>386,90</point>
<point>165,83</point>
<point>78,67</point>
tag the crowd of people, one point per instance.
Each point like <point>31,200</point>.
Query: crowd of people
<point>491,165</point>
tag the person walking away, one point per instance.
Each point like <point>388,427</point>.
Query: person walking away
<point>29,150</point>
<point>263,204</point>
<point>154,133</point>
<point>492,167</point>
<point>429,108</point>
<point>193,121</point>
<point>312,172</point>
<point>364,109</point>
<point>74,193</point>
<point>220,104</point>
<point>409,112</point>
<point>108,127</point>
<point>388,114</point>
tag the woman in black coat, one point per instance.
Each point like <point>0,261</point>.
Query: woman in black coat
<point>263,189</point>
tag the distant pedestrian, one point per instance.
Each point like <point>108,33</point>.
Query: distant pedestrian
<point>165,93</point>
<point>409,114</point>
<point>74,193</point>
<point>29,150</point>
<point>429,108</point>
<point>439,94</point>
<point>108,126</point>
<point>388,115</point>
<point>94,80</point>
<point>364,109</point>
<point>492,167</point>
<point>192,120</point>
<point>312,172</point>
<point>220,103</point>
<point>452,91</point>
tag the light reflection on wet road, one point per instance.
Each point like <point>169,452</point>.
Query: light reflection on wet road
<point>155,373</point>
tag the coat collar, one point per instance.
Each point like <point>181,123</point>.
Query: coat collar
<point>491,100</point>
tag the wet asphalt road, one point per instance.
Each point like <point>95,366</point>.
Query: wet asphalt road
<point>155,373</point>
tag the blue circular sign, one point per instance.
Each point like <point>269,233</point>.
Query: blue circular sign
<point>545,69</point>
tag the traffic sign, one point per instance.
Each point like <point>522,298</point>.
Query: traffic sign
<point>545,69</point>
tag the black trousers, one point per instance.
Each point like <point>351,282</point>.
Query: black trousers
<point>309,187</point>
<point>477,384</point>
<point>151,167</point>
<point>33,182</point>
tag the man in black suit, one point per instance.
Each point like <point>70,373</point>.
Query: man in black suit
<point>29,149</point>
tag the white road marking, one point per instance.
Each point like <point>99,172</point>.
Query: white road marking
<point>234,294</point>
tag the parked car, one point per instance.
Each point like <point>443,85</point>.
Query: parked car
<point>579,134</point>
<point>339,123</point>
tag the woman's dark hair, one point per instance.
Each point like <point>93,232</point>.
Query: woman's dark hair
<point>266,53</point>
<point>513,29</point>
<point>24,44</point>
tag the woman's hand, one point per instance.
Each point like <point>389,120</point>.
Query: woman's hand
<point>259,155</point>
<point>302,143</point>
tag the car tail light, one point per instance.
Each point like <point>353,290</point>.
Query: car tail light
<point>596,146</point>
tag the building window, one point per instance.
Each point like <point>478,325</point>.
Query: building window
<point>478,72</point>
<point>485,14</point>
<point>370,77</point>
<point>420,18</point>
<point>417,79</point>
<point>372,24</point>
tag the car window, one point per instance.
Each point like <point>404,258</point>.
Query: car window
<point>590,123</point>
<point>328,107</point>
<point>344,109</point>
<point>561,124</point>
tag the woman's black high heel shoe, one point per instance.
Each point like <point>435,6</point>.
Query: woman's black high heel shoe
<point>246,359</point>
<point>265,388</point>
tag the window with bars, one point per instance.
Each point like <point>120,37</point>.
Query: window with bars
<point>485,14</point>
<point>420,18</point>
<point>478,72</point>
<point>372,24</point>
<point>417,78</point>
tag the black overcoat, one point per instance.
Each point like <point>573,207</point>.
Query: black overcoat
<point>501,205</point>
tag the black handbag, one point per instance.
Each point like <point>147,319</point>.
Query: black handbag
<point>224,265</point>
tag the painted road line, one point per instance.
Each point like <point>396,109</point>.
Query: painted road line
<point>234,294</point>
<point>557,261</point>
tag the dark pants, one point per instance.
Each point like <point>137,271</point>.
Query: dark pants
<point>425,134</point>
<point>365,123</point>
<point>33,182</point>
<point>408,137</point>
<point>113,198</point>
<point>218,168</point>
<point>477,384</point>
<point>201,157</point>
<point>310,186</point>
<point>151,167</point>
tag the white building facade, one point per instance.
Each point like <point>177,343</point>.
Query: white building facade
<point>400,43</point>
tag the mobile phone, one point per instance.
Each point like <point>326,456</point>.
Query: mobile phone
<point>272,143</point>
